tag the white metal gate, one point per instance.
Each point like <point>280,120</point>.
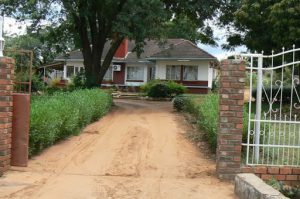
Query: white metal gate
<point>273,134</point>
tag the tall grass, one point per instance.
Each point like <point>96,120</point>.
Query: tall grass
<point>64,114</point>
<point>205,109</point>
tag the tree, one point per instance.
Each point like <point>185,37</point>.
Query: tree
<point>262,24</point>
<point>183,27</point>
<point>43,51</point>
<point>91,23</point>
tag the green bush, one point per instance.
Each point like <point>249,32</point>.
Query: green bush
<point>181,103</point>
<point>175,89</point>
<point>158,90</point>
<point>161,89</point>
<point>64,114</point>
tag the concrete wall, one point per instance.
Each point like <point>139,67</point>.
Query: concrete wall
<point>249,186</point>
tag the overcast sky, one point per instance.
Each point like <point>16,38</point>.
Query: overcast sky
<point>11,27</point>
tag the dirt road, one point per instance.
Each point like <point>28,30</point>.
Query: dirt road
<point>137,151</point>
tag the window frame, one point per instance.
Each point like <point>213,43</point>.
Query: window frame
<point>173,67</point>
<point>73,73</point>
<point>183,72</point>
<point>135,79</point>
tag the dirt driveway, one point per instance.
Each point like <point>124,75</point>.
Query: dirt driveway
<point>137,151</point>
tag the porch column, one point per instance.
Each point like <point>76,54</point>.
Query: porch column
<point>65,72</point>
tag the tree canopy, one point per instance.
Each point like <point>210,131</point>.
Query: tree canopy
<point>89,24</point>
<point>262,24</point>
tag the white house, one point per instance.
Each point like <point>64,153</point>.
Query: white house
<point>177,59</point>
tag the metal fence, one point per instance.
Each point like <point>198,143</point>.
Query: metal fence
<point>273,131</point>
<point>23,69</point>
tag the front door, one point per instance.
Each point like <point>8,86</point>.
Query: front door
<point>151,73</point>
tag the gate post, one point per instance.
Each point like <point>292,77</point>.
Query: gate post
<point>6,103</point>
<point>231,93</point>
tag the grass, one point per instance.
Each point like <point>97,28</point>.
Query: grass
<point>205,109</point>
<point>62,115</point>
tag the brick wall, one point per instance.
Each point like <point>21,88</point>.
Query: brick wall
<point>6,89</point>
<point>232,81</point>
<point>290,175</point>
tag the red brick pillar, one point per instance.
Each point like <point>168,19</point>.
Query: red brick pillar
<point>6,89</point>
<point>231,92</point>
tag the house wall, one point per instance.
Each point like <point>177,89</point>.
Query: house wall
<point>72,63</point>
<point>205,73</point>
<point>119,76</point>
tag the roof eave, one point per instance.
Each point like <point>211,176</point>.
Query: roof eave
<point>178,58</point>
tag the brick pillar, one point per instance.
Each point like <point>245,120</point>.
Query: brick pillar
<point>231,92</point>
<point>6,89</point>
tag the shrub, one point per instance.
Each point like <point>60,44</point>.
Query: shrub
<point>158,90</point>
<point>64,114</point>
<point>161,89</point>
<point>181,103</point>
<point>78,81</point>
<point>175,89</point>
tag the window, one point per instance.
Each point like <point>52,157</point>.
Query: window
<point>173,72</point>
<point>77,70</point>
<point>135,73</point>
<point>190,73</point>
<point>108,74</point>
<point>70,71</point>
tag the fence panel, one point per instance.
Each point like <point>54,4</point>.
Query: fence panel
<point>273,135</point>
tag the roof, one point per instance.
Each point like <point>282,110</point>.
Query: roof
<point>59,65</point>
<point>153,49</point>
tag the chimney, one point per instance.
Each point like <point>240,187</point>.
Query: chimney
<point>123,49</point>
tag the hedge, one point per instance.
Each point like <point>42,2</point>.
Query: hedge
<point>62,115</point>
<point>162,89</point>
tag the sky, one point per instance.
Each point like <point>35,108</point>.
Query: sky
<point>12,27</point>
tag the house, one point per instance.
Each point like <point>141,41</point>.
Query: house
<point>177,59</point>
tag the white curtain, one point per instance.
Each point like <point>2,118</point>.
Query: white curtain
<point>173,72</point>
<point>190,73</point>
<point>135,73</point>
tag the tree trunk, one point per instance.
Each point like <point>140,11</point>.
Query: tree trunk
<point>94,69</point>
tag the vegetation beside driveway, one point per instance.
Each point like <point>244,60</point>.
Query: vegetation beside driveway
<point>58,116</point>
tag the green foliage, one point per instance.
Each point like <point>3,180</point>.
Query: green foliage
<point>183,27</point>
<point>175,89</point>
<point>263,25</point>
<point>205,109</point>
<point>78,22</point>
<point>64,114</point>
<point>286,93</point>
<point>78,81</point>
<point>37,83</point>
<point>43,51</point>
<point>158,90</point>
<point>208,117</point>
<point>181,103</point>
<point>288,191</point>
<point>161,89</point>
